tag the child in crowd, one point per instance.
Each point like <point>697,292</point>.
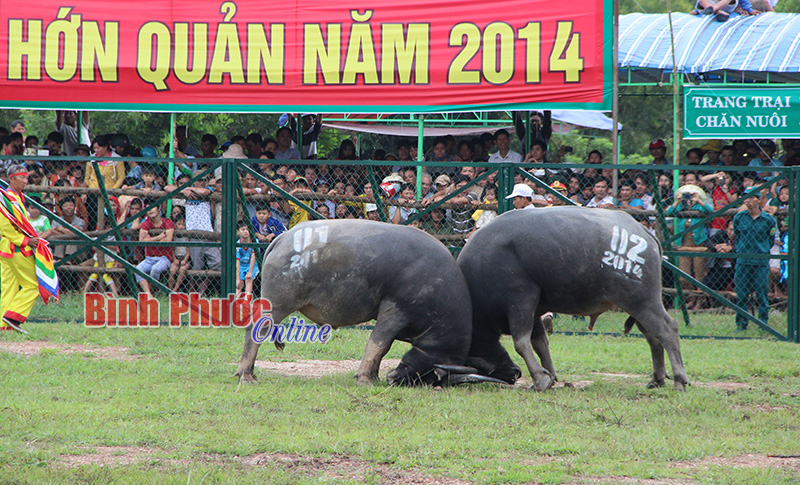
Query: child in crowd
<point>38,220</point>
<point>148,182</point>
<point>246,265</point>
<point>180,262</point>
<point>62,173</point>
<point>483,216</point>
<point>108,263</point>
<point>265,226</point>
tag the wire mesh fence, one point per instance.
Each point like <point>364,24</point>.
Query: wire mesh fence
<point>190,235</point>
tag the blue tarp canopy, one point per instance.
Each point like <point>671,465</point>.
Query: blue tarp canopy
<point>749,48</point>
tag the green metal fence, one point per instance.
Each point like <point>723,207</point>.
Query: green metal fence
<point>466,198</point>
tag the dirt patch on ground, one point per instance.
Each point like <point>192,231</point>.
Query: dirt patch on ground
<point>791,462</point>
<point>631,480</point>
<point>110,455</point>
<point>346,468</point>
<point>725,386</point>
<point>322,368</point>
<point>319,368</point>
<point>34,347</point>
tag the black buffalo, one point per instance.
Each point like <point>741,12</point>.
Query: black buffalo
<point>346,272</point>
<point>569,260</point>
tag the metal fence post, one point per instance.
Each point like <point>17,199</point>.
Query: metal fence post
<point>680,299</point>
<point>228,229</point>
<point>793,264</point>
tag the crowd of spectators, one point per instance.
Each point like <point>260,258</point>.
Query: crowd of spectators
<point>336,191</point>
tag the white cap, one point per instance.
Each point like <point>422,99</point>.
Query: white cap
<point>521,190</point>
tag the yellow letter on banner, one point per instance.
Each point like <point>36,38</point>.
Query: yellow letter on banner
<point>94,47</point>
<point>227,56</point>
<point>156,72</point>
<point>259,52</point>
<point>317,53</point>
<point>199,43</point>
<point>406,52</point>
<point>532,34</point>
<point>18,48</point>
<point>566,53</point>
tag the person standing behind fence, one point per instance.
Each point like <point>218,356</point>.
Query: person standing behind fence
<point>754,233</point>
<point>17,264</point>
<point>198,218</point>
<point>113,173</point>
<point>157,259</point>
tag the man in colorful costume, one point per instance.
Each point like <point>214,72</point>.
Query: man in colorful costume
<point>26,263</point>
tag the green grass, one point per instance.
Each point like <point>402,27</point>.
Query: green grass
<point>181,401</point>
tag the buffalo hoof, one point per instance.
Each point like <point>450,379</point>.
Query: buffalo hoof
<point>681,386</point>
<point>543,384</point>
<point>654,383</point>
<point>365,380</point>
<point>248,379</point>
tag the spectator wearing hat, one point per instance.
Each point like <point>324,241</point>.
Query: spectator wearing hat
<point>391,185</point>
<point>559,187</point>
<point>371,210</point>
<point>693,198</point>
<point>234,151</point>
<point>658,150</point>
<point>754,233</point>
<point>712,150</point>
<point>441,188</point>
<point>121,144</point>
<point>521,197</point>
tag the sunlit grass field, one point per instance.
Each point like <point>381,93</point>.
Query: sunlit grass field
<point>175,414</point>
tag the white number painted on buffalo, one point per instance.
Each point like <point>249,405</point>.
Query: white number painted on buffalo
<point>623,259</point>
<point>302,241</point>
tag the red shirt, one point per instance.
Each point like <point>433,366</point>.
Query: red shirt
<point>156,251</point>
<point>720,199</point>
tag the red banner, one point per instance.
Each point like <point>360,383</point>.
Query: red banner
<point>360,56</point>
